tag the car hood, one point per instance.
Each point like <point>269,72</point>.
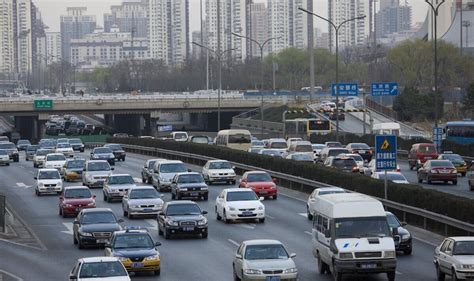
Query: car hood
<point>62,162</point>
<point>363,245</point>
<point>119,151</point>
<point>101,227</point>
<point>401,181</point>
<point>134,253</point>
<point>245,204</point>
<point>40,157</point>
<point>104,155</point>
<point>167,176</point>
<point>221,171</point>
<point>270,264</point>
<point>76,170</point>
<point>50,181</point>
<point>121,186</point>
<point>147,201</point>
<point>260,184</point>
<point>115,278</point>
<point>99,173</point>
<point>467,259</point>
<point>402,231</point>
<point>78,201</point>
<point>187,218</point>
<point>186,185</point>
<point>64,149</point>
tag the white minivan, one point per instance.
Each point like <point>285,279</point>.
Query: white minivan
<point>351,235</point>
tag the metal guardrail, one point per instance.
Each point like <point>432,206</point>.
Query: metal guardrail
<point>298,183</point>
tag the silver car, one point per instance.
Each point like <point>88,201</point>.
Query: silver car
<point>455,257</point>
<point>264,260</point>
<point>116,186</point>
<point>95,173</point>
<point>142,201</point>
<point>4,158</point>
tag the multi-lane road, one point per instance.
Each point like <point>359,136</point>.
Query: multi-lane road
<point>182,258</point>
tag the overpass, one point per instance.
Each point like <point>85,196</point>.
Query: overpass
<point>127,113</point>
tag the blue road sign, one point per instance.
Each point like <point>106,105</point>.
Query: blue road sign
<point>165,128</point>
<point>384,89</point>
<point>438,137</point>
<point>345,89</point>
<point>386,152</point>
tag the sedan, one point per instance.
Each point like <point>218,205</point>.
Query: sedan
<point>109,268</point>
<point>239,204</point>
<point>142,201</point>
<point>30,152</point>
<point>264,260</point>
<point>117,150</point>
<point>362,149</point>
<point>103,153</point>
<point>72,170</point>
<point>182,217</point>
<point>403,241</point>
<point>457,160</point>
<point>22,144</point>
<point>94,227</point>
<point>65,148</point>
<point>455,257</point>
<point>147,170</point>
<point>438,170</point>
<point>261,183</point>
<point>301,157</point>
<point>219,171</point>
<point>75,198</point>
<point>189,184</point>
<point>395,177</point>
<point>4,158</point>
<point>54,161</point>
<point>116,186</point>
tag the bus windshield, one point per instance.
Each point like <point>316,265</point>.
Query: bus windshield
<point>239,138</point>
<point>361,227</point>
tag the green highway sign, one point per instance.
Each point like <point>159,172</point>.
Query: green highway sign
<point>43,104</point>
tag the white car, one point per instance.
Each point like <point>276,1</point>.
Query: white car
<point>40,156</point>
<point>165,172</point>
<point>4,158</point>
<point>219,171</point>
<point>54,161</point>
<point>359,160</point>
<point>312,199</point>
<point>263,260</point>
<point>66,149</point>
<point>395,177</point>
<point>142,201</point>
<point>116,186</point>
<point>289,141</point>
<point>317,147</point>
<point>239,204</point>
<point>48,181</point>
<point>455,257</point>
<point>99,268</point>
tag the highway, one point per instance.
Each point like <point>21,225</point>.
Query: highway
<point>182,258</point>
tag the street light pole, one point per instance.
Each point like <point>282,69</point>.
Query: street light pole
<point>261,46</point>
<point>336,29</point>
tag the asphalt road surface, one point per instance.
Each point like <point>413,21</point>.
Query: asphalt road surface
<point>182,258</point>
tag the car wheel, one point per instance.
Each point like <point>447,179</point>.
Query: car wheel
<point>218,217</point>
<point>236,278</point>
<point>322,266</point>
<point>463,174</point>
<point>262,220</point>
<point>37,192</point>
<point>125,213</point>
<point>157,272</point>
<point>129,216</point>
<point>178,196</point>
<point>454,277</point>
<point>34,165</point>
<point>123,159</point>
<point>104,197</point>
<point>204,235</point>
<point>391,276</point>
<point>408,252</point>
<point>173,196</point>
<point>336,274</point>
<point>150,180</point>
<point>275,197</point>
<point>74,240</point>
<point>420,180</point>
<point>60,211</point>
<point>143,180</point>
<point>308,214</point>
<point>429,181</point>
<point>455,182</point>
<point>7,164</point>
<point>232,182</point>
<point>224,217</point>
<point>441,276</point>
<point>79,244</point>
<point>160,232</point>
<point>166,234</point>
<point>205,197</point>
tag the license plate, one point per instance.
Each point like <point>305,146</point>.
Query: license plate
<point>189,228</point>
<point>361,151</point>
<point>101,241</point>
<point>247,214</point>
<point>427,158</point>
<point>368,265</point>
<point>50,189</point>
<point>137,264</point>
<point>273,278</point>
<point>147,210</point>
<point>263,192</point>
<point>194,194</point>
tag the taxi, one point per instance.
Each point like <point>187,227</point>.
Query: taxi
<point>135,248</point>
<point>457,160</point>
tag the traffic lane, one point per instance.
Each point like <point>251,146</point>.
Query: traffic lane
<point>461,189</point>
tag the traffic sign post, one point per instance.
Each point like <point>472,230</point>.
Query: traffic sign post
<point>384,89</point>
<point>345,89</point>
<point>438,137</point>
<point>385,155</point>
<point>43,104</point>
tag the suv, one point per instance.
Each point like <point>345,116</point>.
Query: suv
<point>189,184</point>
<point>165,172</point>
<point>182,217</point>
<point>420,153</point>
<point>48,181</point>
<point>116,186</point>
<point>344,164</point>
<point>117,150</point>
<point>94,227</point>
<point>95,173</point>
<point>147,170</point>
<point>12,150</point>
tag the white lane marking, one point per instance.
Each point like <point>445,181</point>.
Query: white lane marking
<point>22,185</point>
<point>3,272</point>
<point>247,226</point>
<point>303,214</point>
<point>233,242</point>
<point>270,217</point>
<point>309,233</point>
<point>68,226</point>
<point>292,197</point>
<point>398,272</point>
<point>153,224</point>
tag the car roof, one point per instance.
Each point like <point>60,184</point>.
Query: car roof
<point>330,188</point>
<point>262,242</point>
<point>75,187</point>
<point>97,210</point>
<point>171,162</point>
<point>141,187</point>
<point>48,170</point>
<point>181,202</point>
<point>99,259</point>
<point>462,238</point>
<point>256,172</point>
<point>237,189</point>
<point>131,231</point>
<point>154,159</point>
<point>96,161</point>
<point>55,154</point>
<point>119,175</point>
<point>217,160</point>
<point>187,173</point>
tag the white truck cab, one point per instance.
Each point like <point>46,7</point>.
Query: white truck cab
<point>351,235</point>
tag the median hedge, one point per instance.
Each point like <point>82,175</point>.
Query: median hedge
<point>412,195</point>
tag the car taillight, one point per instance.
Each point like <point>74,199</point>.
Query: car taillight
<point>355,169</point>
<point>433,171</point>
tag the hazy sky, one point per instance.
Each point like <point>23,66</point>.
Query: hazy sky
<point>51,10</point>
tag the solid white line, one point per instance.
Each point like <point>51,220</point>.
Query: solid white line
<point>425,241</point>
<point>307,232</point>
<point>11,275</point>
<point>398,272</point>
<point>270,217</point>
<point>303,214</point>
<point>233,242</point>
<point>153,224</point>
<point>289,196</point>
<point>247,226</point>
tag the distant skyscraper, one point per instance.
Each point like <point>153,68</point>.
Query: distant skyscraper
<point>75,25</point>
<point>131,14</point>
<point>279,24</point>
<point>353,33</point>
<point>393,18</point>
<point>196,51</point>
<point>259,26</point>
<point>8,35</point>
<point>53,47</point>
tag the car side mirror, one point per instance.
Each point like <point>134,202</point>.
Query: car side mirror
<point>157,244</point>
<point>449,253</point>
<point>120,221</point>
<point>76,222</point>
<point>35,178</point>
<point>112,168</point>
<point>395,231</point>
<point>238,256</point>
<point>61,197</point>
<point>261,198</point>
<point>204,212</point>
<point>404,223</point>
<point>292,256</point>
<point>327,233</point>
<point>94,196</point>
<point>72,277</point>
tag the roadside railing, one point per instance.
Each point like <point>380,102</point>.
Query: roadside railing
<point>428,220</point>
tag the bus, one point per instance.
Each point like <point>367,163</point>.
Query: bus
<point>318,126</point>
<point>388,128</point>
<point>235,139</point>
<point>460,132</point>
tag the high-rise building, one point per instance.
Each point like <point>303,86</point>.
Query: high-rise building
<point>393,18</point>
<point>196,37</point>
<point>75,25</point>
<point>8,61</point>
<point>24,36</point>
<point>53,47</point>
<point>353,33</point>
<point>169,30</point>
<point>302,24</point>
<point>259,26</point>
<point>130,15</point>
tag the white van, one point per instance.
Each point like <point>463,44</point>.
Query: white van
<point>234,139</point>
<point>179,136</point>
<point>351,235</point>
<point>388,128</point>
<point>301,147</point>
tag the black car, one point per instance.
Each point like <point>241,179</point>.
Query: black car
<point>189,184</point>
<point>52,130</point>
<point>103,153</point>
<point>94,227</point>
<point>30,152</point>
<point>182,217</point>
<point>22,144</point>
<point>362,149</point>
<point>117,150</point>
<point>403,241</point>
<point>77,144</point>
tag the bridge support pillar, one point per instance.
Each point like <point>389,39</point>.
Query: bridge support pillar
<point>127,123</point>
<point>147,125</point>
<point>27,127</point>
<point>109,120</point>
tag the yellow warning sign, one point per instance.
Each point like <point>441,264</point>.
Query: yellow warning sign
<point>385,145</point>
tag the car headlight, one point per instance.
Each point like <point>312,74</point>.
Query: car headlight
<point>171,222</point>
<point>183,189</point>
<point>261,207</point>
<point>390,254</point>
<point>85,233</point>
<point>291,270</point>
<point>406,236</point>
<point>232,173</point>
<point>152,258</point>
<point>345,256</point>
<point>214,174</point>
<point>122,259</point>
<point>135,206</point>
<point>253,271</point>
<point>202,222</point>
<point>466,266</point>
<point>40,184</point>
<point>59,184</point>
<point>232,209</point>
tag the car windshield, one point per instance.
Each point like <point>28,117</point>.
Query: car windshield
<point>7,145</point>
<point>102,269</point>
<point>357,157</point>
<point>3,152</point>
<point>427,149</point>
<point>241,196</point>
<point>32,148</point>
<point>302,157</point>
<point>318,146</point>
<point>255,149</point>
<point>392,176</point>
<point>148,193</point>
<point>239,138</point>
<point>393,221</point>
<point>75,141</point>
<point>98,166</point>
<point>278,145</point>
<point>151,164</point>
<point>73,164</point>
<point>121,180</point>
<point>203,140</point>
<point>125,241</point>
<point>102,150</point>
<point>359,146</point>
<point>180,136</point>
<point>463,248</point>
<point>333,144</point>
<point>304,148</point>
<point>361,227</point>
<point>22,142</point>
<point>259,177</point>
<point>326,192</point>
<point>441,163</point>
<point>336,152</point>
<point>49,175</point>
<point>270,152</point>
<point>220,165</point>
<point>43,152</point>
<point>266,252</point>
<point>114,146</point>
<point>344,163</point>
<point>191,178</point>
<point>77,193</point>
<point>257,143</point>
<point>173,168</point>
<point>63,145</point>
<point>98,217</point>
<point>55,157</point>
<point>183,209</point>
<point>453,157</point>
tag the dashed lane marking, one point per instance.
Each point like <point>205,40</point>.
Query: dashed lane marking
<point>247,226</point>
<point>68,226</point>
<point>153,224</point>
<point>3,272</point>
<point>302,214</point>
<point>270,217</point>
<point>137,180</point>
<point>233,242</point>
<point>22,185</point>
<point>309,233</point>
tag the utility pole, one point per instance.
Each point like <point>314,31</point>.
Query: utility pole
<point>220,65</point>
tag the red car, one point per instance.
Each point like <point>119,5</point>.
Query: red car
<point>75,198</point>
<point>438,170</point>
<point>261,183</point>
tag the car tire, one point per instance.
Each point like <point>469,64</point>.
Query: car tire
<point>160,232</point>
<point>336,274</point>
<point>420,180</point>
<point>262,220</point>
<point>322,266</point>
<point>61,212</point>
<point>150,180</point>
<point>74,240</point>
<point>34,165</point>
<point>308,214</point>
<point>274,197</point>
<point>125,213</point>
<point>218,217</point>
<point>157,272</point>
<point>205,197</point>
<point>440,276</point>
<point>37,193</point>
<point>455,182</point>
<point>429,181</point>
<point>178,196</point>
<point>224,217</point>
<point>391,276</point>
<point>463,174</point>
<point>79,244</point>
<point>236,278</point>
<point>204,235</point>
<point>408,252</point>
<point>143,180</point>
<point>104,197</point>
<point>166,234</point>
<point>123,159</point>
<point>129,216</point>
<point>7,164</point>
<point>173,197</point>
<point>232,182</point>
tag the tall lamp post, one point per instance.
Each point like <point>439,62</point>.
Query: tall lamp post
<point>435,10</point>
<point>336,30</point>
<point>219,59</point>
<point>261,46</point>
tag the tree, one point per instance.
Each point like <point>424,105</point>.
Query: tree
<point>468,101</point>
<point>412,105</point>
